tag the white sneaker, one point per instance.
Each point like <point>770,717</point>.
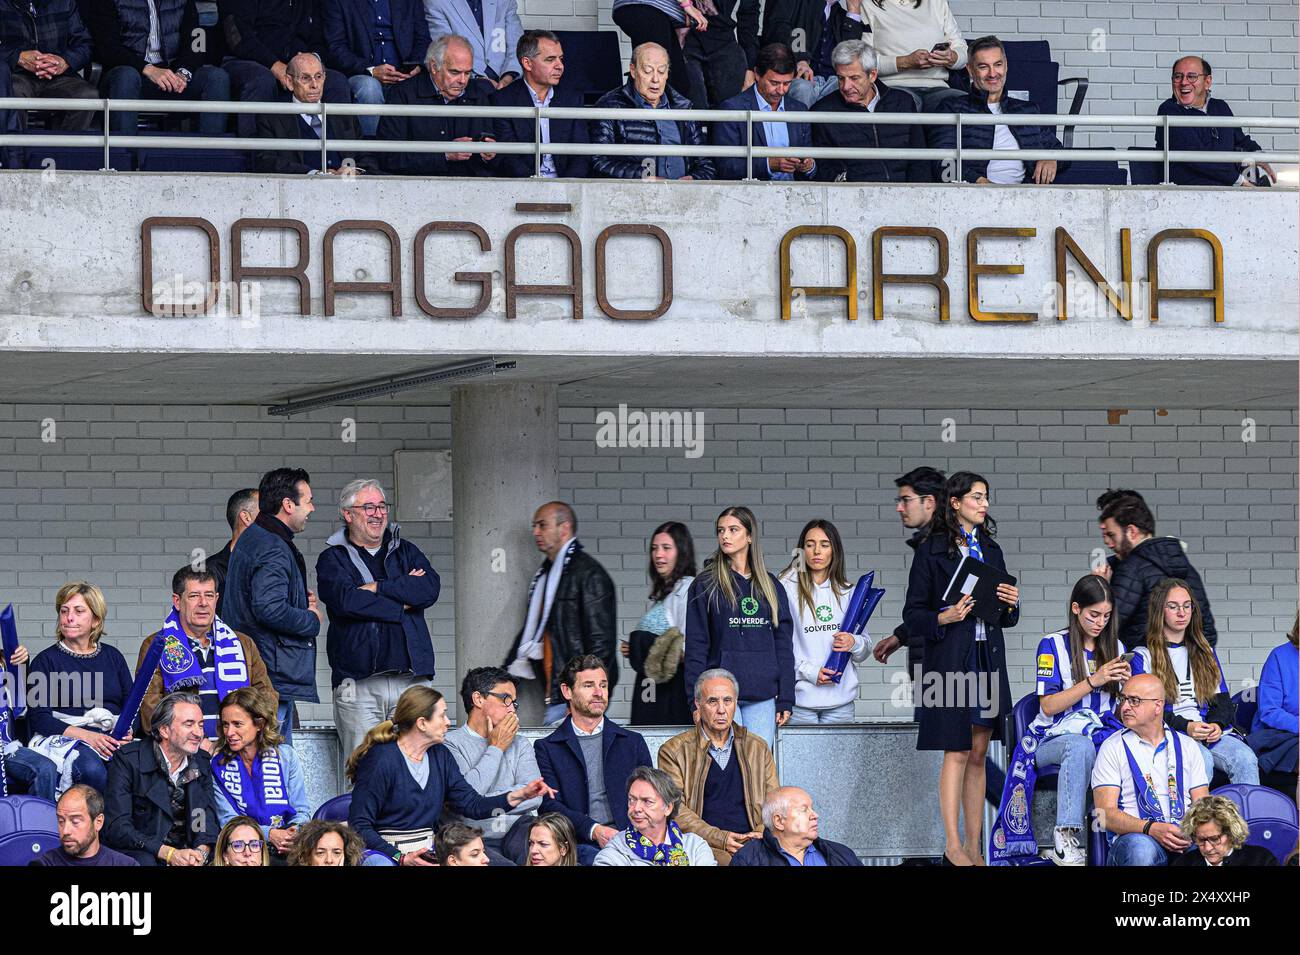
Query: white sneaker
<point>1068,851</point>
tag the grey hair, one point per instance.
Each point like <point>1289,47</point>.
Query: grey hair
<point>437,51</point>
<point>350,491</point>
<point>293,72</point>
<point>166,710</point>
<point>855,51</point>
<point>716,674</point>
<point>662,783</point>
<point>777,803</point>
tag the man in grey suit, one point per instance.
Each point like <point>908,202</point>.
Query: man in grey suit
<point>492,28</point>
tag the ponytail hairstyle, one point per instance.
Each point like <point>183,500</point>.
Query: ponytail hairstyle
<point>1200,656</point>
<point>718,567</point>
<point>661,588</point>
<point>416,703</point>
<point>1089,591</point>
<point>839,583</point>
<point>945,522</point>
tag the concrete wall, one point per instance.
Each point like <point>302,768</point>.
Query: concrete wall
<point>1124,49</point>
<point>125,492</point>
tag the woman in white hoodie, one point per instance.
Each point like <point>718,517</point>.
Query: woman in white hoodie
<point>818,592</point>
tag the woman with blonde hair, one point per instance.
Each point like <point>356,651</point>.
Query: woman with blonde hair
<point>241,843</point>
<point>551,841</point>
<point>1196,693</point>
<point>93,683</point>
<point>257,775</point>
<point>738,619</point>
<point>401,777</point>
<point>1218,835</point>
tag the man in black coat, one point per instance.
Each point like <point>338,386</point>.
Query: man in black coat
<point>1140,561</point>
<point>790,835</point>
<point>542,60</point>
<point>571,612</point>
<point>920,491</point>
<point>860,91</point>
<point>159,802</point>
<point>812,29</point>
<point>307,79</point>
<point>447,80</point>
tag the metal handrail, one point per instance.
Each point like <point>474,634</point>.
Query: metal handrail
<point>749,151</point>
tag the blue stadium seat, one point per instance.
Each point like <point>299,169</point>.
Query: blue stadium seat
<point>1247,706</point>
<point>1270,814</point>
<point>1092,172</point>
<point>1098,848</point>
<point>1142,173</point>
<point>374,857</point>
<point>336,809</point>
<point>1031,69</point>
<point>84,158</point>
<point>191,160</point>
<point>20,848</point>
<point>593,64</point>
<point>27,814</point>
<point>1024,713</point>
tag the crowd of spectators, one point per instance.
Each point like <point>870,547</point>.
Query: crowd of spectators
<point>846,56</point>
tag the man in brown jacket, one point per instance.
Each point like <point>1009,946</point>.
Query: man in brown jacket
<point>724,771</point>
<point>201,654</point>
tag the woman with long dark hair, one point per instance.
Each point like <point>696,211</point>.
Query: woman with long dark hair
<point>1080,670</point>
<point>964,688</point>
<point>818,591</point>
<point>737,618</point>
<point>657,648</point>
<point>1196,694</point>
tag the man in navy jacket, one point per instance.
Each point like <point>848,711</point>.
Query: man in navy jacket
<point>1191,88</point>
<point>987,66</point>
<point>774,71</point>
<point>542,61</point>
<point>266,590</point>
<point>42,51</point>
<point>588,759</point>
<point>376,588</point>
<point>790,835</point>
<point>375,44</point>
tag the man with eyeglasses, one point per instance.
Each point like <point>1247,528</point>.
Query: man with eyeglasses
<point>1145,779</point>
<point>1191,81</point>
<point>918,489</point>
<point>495,759</point>
<point>375,587</point>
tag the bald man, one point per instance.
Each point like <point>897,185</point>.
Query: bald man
<point>1145,779</point>
<point>791,836</point>
<point>571,613</point>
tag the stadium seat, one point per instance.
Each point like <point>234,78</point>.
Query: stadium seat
<point>83,158</point>
<point>336,809</point>
<point>1032,74</point>
<point>593,64</point>
<point>191,160</point>
<point>27,814</point>
<point>1098,847</point>
<point>1246,708</point>
<point>1092,172</point>
<point>378,857</point>
<point>1024,713</point>
<point>1142,173</point>
<point>1271,816</point>
<point>20,848</point>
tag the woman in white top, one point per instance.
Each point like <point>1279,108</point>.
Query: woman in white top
<point>818,592</point>
<point>917,43</point>
<point>652,836</point>
<point>656,648</point>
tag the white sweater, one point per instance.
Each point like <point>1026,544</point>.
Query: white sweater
<point>617,852</point>
<point>898,28</point>
<point>812,645</point>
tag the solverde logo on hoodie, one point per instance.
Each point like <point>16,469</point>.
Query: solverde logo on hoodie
<point>748,606</point>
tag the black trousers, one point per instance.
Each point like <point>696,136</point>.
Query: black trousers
<point>644,24</point>
<point>717,71</point>
<point>67,85</point>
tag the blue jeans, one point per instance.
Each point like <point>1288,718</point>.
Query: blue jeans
<point>804,716</point>
<point>1135,849</point>
<point>284,714</point>
<point>368,90</point>
<point>88,768</point>
<point>1074,754</point>
<point>210,84</point>
<point>760,719</point>
<point>555,714</point>
<point>31,773</point>
<point>810,92</point>
<point>1233,755</point>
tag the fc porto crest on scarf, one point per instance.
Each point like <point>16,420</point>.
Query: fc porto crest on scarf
<point>1018,811</point>
<point>176,656</point>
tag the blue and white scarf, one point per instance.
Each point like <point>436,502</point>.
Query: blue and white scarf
<point>181,670</point>
<point>1148,804</point>
<point>673,852</point>
<point>262,794</point>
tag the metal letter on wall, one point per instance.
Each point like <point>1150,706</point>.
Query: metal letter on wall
<point>880,278</point>
<point>146,262</point>
<point>238,271</point>
<point>573,290</point>
<point>482,279</point>
<point>974,270</point>
<point>665,274</point>
<point>1153,271</point>
<point>392,288</point>
<point>1121,301</point>
<point>847,291</point>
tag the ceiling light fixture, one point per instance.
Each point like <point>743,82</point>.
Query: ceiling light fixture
<point>378,389</point>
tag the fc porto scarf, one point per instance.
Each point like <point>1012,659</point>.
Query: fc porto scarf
<point>1148,804</point>
<point>261,794</point>
<point>672,852</point>
<point>180,667</point>
<point>8,646</point>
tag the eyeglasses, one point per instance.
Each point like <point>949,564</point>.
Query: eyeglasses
<point>372,509</point>
<point>1173,607</point>
<point>904,498</point>
<point>979,498</point>
<point>1135,700</point>
<point>1190,77</point>
<point>1211,840</point>
<point>246,845</point>
<point>507,699</point>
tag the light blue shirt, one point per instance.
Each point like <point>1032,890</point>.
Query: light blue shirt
<point>548,161</point>
<point>778,137</point>
<point>811,857</point>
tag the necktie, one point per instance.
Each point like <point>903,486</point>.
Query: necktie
<point>315,126</point>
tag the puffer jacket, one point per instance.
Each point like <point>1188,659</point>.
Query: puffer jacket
<point>1133,578</point>
<point>981,137</point>
<point>643,132</point>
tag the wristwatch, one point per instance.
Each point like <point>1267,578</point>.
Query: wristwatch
<point>185,74</point>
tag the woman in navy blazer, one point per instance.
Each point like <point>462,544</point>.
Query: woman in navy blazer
<point>959,646</point>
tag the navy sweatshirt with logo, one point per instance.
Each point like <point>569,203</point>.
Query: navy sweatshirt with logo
<point>741,637</point>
